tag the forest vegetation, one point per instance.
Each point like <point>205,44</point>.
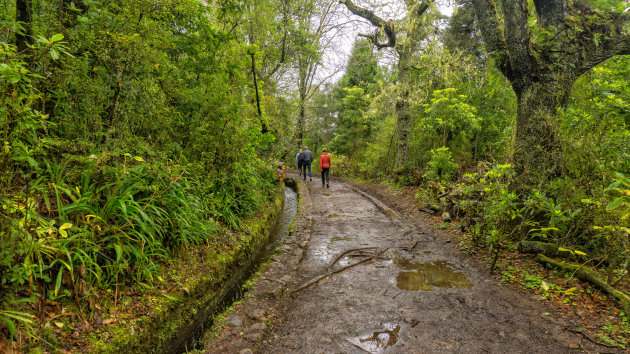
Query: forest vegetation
<point>132,130</point>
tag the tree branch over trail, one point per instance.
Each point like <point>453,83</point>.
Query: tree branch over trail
<point>387,26</point>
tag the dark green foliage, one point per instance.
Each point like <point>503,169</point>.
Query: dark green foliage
<point>129,130</point>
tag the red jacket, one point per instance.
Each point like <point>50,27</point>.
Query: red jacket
<point>324,160</point>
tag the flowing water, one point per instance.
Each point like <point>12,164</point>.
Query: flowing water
<point>189,341</point>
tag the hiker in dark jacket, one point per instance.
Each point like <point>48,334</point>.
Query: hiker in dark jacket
<point>307,158</point>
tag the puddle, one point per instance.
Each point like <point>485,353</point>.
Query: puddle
<point>424,276</point>
<point>378,341</point>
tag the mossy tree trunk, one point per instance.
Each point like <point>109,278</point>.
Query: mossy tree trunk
<point>413,34</point>
<point>542,59</point>
<point>403,110</point>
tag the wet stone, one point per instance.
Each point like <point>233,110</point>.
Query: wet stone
<point>258,326</point>
<point>258,314</point>
<point>234,321</point>
<point>277,293</point>
<point>255,336</point>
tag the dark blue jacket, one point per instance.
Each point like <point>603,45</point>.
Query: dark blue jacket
<point>306,156</point>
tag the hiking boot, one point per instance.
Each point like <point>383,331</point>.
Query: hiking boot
<point>310,179</point>
<point>327,185</point>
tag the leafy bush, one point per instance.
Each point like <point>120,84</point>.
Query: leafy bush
<point>489,205</point>
<point>441,165</point>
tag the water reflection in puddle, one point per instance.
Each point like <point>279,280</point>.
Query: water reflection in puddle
<point>379,340</point>
<point>424,276</point>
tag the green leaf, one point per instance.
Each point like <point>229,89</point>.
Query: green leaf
<point>10,326</point>
<point>613,185</point>
<point>58,282</point>
<point>171,297</point>
<point>616,203</point>
<point>56,37</point>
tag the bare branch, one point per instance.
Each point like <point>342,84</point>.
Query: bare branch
<point>387,26</point>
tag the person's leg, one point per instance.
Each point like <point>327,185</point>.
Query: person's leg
<point>323,176</point>
<point>304,170</point>
<point>327,176</point>
<point>310,177</point>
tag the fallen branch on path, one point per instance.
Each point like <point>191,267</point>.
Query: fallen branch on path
<point>315,280</point>
<point>586,274</point>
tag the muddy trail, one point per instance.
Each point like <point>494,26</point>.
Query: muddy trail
<point>358,276</point>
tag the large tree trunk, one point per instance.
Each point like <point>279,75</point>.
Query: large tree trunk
<point>405,49</point>
<point>301,121</point>
<point>24,14</point>
<point>403,111</point>
<point>537,152</point>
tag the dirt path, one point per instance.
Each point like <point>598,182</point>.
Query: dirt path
<point>408,291</point>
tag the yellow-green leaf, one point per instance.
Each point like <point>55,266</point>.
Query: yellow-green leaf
<point>571,291</point>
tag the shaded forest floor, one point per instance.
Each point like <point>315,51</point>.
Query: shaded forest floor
<point>353,279</point>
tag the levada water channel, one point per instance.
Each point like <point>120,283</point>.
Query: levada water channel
<point>235,292</point>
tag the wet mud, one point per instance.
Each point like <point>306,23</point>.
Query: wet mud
<point>359,276</point>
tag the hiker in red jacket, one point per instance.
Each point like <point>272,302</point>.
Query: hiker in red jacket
<point>324,167</point>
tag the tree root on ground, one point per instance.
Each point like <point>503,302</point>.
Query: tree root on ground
<point>536,247</point>
<point>586,274</point>
<point>316,280</point>
<point>340,256</point>
<point>574,330</point>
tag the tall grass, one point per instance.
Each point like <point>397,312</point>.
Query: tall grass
<point>85,231</point>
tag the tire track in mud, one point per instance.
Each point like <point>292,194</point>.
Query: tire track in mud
<point>403,299</point>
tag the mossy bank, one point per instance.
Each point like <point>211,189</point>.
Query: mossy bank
<point>176,314</point>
